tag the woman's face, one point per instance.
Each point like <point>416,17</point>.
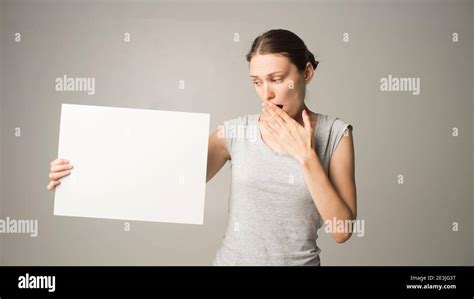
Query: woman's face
<point>278,81</point>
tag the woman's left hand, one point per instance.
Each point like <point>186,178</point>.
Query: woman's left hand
<point>296,140</point>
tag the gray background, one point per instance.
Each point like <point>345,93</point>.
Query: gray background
<point>394,133</point>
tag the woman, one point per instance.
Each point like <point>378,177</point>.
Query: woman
<point>296,174</point>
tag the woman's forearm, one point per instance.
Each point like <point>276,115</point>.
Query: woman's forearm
<point>328,202</point>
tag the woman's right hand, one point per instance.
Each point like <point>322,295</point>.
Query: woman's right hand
<point>59,169</point>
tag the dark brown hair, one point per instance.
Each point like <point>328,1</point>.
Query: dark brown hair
<point>284,42</point>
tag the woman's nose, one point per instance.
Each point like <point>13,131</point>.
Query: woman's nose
<point>267,92</point>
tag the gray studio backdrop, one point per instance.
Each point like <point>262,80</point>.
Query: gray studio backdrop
<point>424,139</point>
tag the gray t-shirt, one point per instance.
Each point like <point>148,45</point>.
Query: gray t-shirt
<point>272,217</point>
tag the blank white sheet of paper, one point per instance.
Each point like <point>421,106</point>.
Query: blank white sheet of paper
<point>133,164</point>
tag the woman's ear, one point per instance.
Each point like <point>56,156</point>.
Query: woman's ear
<point>308,73</point>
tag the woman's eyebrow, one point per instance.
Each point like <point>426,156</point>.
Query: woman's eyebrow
<point>269,75</point>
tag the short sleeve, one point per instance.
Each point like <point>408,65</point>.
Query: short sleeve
<point>339,127</point>
<point>235,132</point>
<point>229,140</point>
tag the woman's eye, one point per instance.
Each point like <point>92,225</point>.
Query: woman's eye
<point>277,80</point>
<point>256,83</point>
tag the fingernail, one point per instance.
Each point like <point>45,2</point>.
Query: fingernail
<point>70,166</point>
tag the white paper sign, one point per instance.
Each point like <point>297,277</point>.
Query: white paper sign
<point>133,164</point>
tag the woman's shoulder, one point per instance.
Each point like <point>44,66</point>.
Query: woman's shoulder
<point>331,130</point>
<point>332,123</point>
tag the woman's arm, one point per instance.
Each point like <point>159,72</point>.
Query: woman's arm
<point>217,153</point>
<point>335,197</point>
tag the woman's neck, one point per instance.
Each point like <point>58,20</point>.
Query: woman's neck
<point>299,116</point>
